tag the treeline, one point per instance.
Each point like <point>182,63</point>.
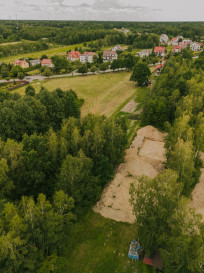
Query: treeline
<point>70,32</point>
<point>35,113</point>
<point>176,104</point>
<point>49,178</point>
<point>164,217</point>
<point>22,48</point>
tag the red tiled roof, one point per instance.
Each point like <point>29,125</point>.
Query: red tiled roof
<point>19,62</point>
<point>46,61</point>
<point>173,39</point>
<point>177,47</point>
<point>159,66</point>
<point>159,49</point>
<point>74,54</point>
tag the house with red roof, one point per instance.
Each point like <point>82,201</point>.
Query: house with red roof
<point>21,63</point>
<point>159,51</point>
<point>87,57</point>
<point>174,41</point>
<point>47,62</point>
<point>177,49</point>
<point>73,56</point>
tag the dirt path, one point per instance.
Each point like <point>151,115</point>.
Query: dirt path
<point>145,156</point>
<point>198,193</point>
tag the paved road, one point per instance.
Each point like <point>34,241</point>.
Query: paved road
<point>39,77</point>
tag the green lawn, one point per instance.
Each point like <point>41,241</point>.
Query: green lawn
<point>100,245</point>
<point>50,52</point>
<point>103,93</point>
<point>34,72</point>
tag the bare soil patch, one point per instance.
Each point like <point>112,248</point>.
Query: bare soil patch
<point>129,107</point>
<point>144,157</point>
<point>198,193</point>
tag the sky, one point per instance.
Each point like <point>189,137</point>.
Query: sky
<point>103,10</point>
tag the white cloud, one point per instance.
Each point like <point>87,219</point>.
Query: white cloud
<point>130,10</point>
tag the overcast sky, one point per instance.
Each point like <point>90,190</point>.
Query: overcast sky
<point>119,10</point>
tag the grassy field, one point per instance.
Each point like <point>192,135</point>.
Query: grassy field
<point>103,93</point>
<point>100,245</point>
<point>50,52</point>
<point>34,72</point>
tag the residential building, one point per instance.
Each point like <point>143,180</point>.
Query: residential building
<point>175,41</point>
<point>185,43</point>
<point>164,39</point>
<point>159,51</point>
<point>47,62</point>
<point>109,56</point>
<point>87,57</point>
<point>177,49</point>
<point>35,62</point>
<point>21,63</point>
<point>196,46</point>
<point>73,56</point>
<point>144,53</point>
<point>117,47</point>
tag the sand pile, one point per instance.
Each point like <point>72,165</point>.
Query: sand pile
<point>145,156</point>
<point>198,193</point>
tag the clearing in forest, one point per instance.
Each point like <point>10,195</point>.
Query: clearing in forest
<point>145,157</point>
<point>198,193</point>
<point>102,93</point>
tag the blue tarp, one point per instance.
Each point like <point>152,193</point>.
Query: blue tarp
<point>134,250</point>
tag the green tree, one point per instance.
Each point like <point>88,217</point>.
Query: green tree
<point>15,71</point>
<point>83,69</point>
<point>47,72</point>
<point>4,71</point>
<point>141,73</point>
<point>154,201</point>
<point>104,66</point>
<point>21,76</point>
<point>43,57</point>
<point>30,91</point>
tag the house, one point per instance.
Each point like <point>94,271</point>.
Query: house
<point>35,62</point>
<point>185,43</point>
<point>87,57</point>
<point>154,260</point>
<point>158,69</point>
<point>196,46</point>
<point>73,56</point>
<point>175,41</point>
<point>177,49</point>
<point>109,56</point>
<point>159,51</point>
<point>144,53</point>
<point>164,39</point>
<point>47,62</point>
<point>21,63</point>
<point>117,47</point>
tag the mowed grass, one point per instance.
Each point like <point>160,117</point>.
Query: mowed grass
<point>102,94</point>
<point>100,245</point>
<point>50,52</point>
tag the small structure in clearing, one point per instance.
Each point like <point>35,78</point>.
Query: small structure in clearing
<point>154,260</point>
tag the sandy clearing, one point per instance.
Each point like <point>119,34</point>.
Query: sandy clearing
<point>114,203</point>
<point>129,107</point>
<point>198,193</point>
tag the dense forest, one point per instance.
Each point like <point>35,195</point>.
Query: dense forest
<point>70,32</point>
<point>53,167</point>
<point>43,34</point>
